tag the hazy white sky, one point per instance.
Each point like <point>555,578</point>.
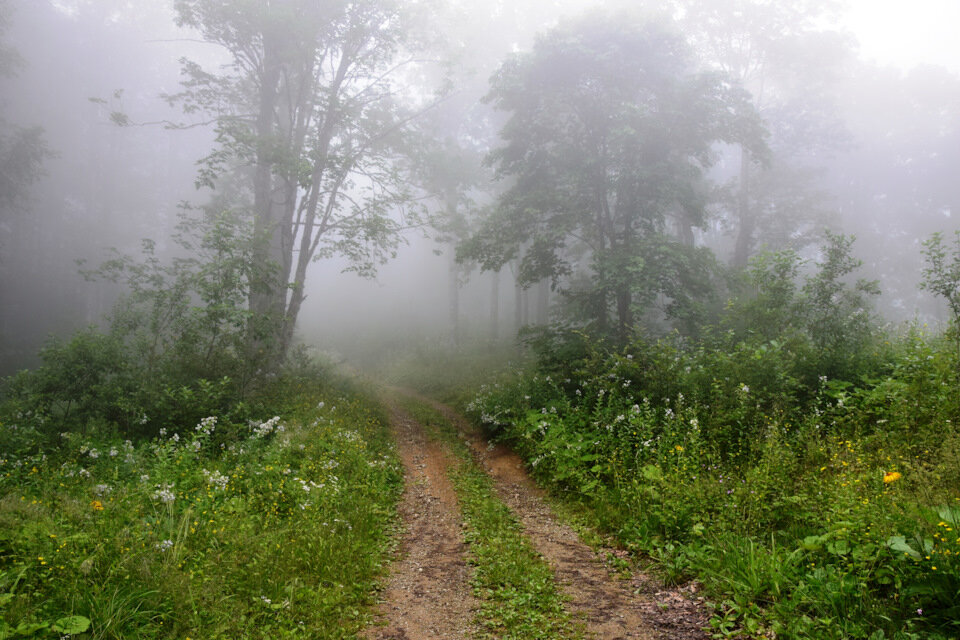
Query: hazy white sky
<point>908,32</point>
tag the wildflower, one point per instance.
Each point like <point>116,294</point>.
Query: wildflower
<point>96,505</point>
<point>891,476</point>
<point>264,429</point>
<point>207,425</point>
<point>102,489</point>
<point>678,448</point>
<point>113,452</point>
<point>217,479</point>
<point>166,544</point>
<point>164,493</point>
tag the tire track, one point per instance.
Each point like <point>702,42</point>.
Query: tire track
<point>611,608</point>
<point>428,594</point>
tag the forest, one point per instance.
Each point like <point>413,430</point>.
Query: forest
<point>444,319</point>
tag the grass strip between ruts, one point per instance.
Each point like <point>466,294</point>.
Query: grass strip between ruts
<point>518,594</point>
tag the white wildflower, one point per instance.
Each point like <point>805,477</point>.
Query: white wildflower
<point>207,425</point>
<point>164,493</point>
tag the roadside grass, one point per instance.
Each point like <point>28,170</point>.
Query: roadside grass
<point>516,587</point>
<point>278,531</point>
<point>838,518</point>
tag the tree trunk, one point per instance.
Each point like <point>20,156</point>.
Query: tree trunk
<point>495,306</point>
<point>744,245</point>
<point>454,271</point>
<point>267,293</point>
<point>517,301</point>
<point>543,302</point>
<point>524,307</point>
<point>624,315</point>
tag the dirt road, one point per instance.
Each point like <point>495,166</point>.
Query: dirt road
<point>428,594</point>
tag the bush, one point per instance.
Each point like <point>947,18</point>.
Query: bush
<point>811,507</point>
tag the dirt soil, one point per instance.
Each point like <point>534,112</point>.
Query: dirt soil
<point>428,594</point>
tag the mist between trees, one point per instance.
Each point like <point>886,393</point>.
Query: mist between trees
<point>722,246</point>
<point>480,167</point>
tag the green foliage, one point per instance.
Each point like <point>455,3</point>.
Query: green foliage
<point>809,507</point>
<point>599,168</point>
<point>278,530</point>
<point>941,275</point>
<point>836,313</point>
<point>826,322</point>
<point>188,318</point>
<point>177,347</point>
<point>328,142</point>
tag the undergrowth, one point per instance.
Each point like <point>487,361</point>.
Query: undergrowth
<point>275,528</point>
<point>830,511</point>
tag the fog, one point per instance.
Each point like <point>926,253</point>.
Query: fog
<point>859,102</point>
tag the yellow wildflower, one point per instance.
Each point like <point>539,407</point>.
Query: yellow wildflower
<point>96,505</point>
<point>891,476</point>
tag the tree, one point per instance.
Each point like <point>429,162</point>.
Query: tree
<point>941,275</point>
<point>783,55</point>
<point>609,134</point>
<point>22,149</point>
<point>306,109</point>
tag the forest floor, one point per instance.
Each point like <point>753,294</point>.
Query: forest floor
<point>429,593</point>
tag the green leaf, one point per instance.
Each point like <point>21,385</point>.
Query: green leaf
<point>839,547</point>
<point>950,515</point>
<point>812,543</point>
<point>30,628</point>
<point>652,472</point>
<point>899,545</point>
<point>71,625</point>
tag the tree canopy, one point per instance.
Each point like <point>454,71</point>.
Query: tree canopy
<point>611,128</point>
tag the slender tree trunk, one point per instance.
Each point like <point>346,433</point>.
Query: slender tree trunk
<point>543,302</point>
<point>495,306</point>
<point>524,307</point>
<point>267,294</point>
<point>741,253</point>
<point>517,301</point>
<point>624,315</point>
<point>454,271</point>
